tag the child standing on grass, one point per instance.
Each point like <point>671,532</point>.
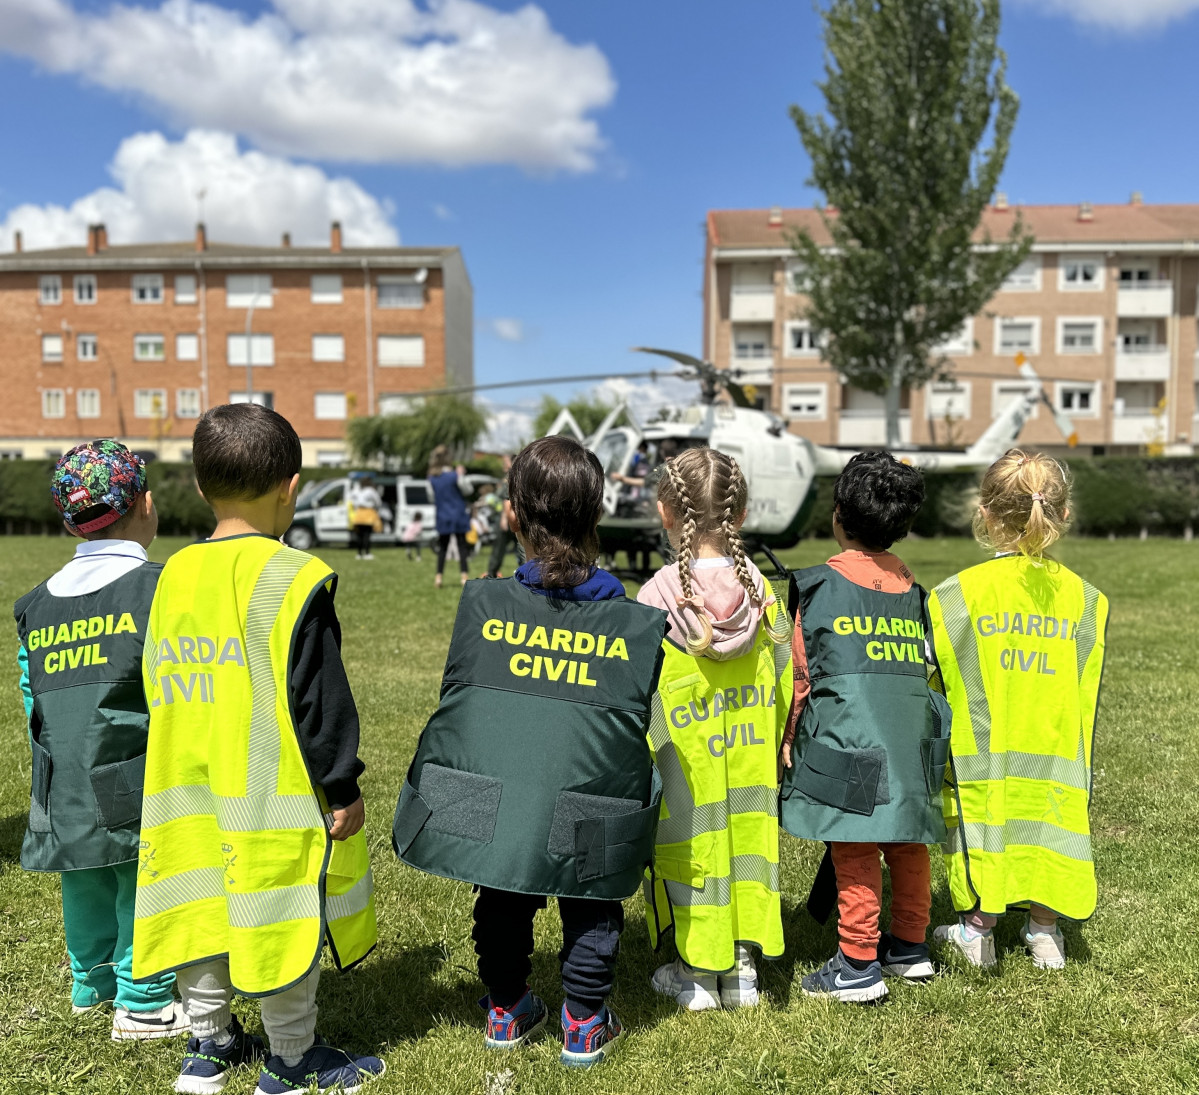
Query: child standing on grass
<point>81,635</point>
<point>252,854</point>
<point>533,777</point>
<point>1020,642</point>
<point>718,723</point>
<point>870,737</point>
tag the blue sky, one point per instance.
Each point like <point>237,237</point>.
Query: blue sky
<point>571,150</point>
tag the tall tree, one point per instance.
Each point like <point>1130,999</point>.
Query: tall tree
<point>912,88</point>
<point>408,439</point>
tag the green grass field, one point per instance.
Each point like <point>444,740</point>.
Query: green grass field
<point>1121,1018</point>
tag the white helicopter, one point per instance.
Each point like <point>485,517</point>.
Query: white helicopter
<point>780,467</point>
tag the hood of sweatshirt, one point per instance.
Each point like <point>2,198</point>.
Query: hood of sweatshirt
<point>726,601</point>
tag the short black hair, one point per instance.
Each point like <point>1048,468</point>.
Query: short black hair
<point>242,451</point>
<point>877,498</point>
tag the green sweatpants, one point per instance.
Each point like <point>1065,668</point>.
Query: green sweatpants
<point>97,916</point>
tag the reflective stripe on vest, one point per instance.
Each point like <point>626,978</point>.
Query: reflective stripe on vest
<point>235,856</point>
<point>1021,653</point>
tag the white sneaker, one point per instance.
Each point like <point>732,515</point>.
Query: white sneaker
<point>694,990</point>
<point>739,989</point>
<point>1048,950</point>
<point>979,951</point>
<point>143,1025</point>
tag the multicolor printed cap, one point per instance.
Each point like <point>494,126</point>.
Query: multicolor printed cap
<point>95,484</point>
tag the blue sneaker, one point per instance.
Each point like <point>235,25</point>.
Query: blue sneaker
<point>322,1066</point>
<point>206,1065</point>
<point>899,958</point>
<point>838,979</point>
<point>587,1042</point>
<point>508,1028</point>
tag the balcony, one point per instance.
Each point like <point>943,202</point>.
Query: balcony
<point>1138,426</point>
<point>1142,363</point>
<point>750,303</point>
<point>1144,299</point>
<point>860,429</point>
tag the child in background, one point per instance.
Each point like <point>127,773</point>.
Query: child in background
<point>870,736</point>
<point>1020,643</point>
<point>533,777</point>
<point>411,536</point>
<point>81,635</point>
<point>720,712</point>
<point>251,847</point>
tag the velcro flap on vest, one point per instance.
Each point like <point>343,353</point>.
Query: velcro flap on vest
<point>847,779</point>
<point>412,812</point>
<point>463,804</point>
<point>935,754</point>
<point>39,798</point>
<point>605,835</point>
<point>118,791</point>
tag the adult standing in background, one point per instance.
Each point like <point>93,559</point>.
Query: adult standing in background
<point>450,491</point>
<point>366,504</point>
<point>503,534</point>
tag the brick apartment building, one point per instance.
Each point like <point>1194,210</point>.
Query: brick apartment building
<point>137,341</point>
<point>1104,309</point>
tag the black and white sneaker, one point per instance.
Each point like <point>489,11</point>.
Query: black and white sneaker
<point>145,1025</point>
<point>838,979</point>
<point>900,958</point>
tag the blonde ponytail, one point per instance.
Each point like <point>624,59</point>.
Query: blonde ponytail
<point>1024,504</point>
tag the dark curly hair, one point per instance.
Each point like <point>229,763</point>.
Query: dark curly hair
<point>876,499</point>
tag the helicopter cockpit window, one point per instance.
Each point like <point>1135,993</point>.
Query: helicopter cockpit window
<point>612,451</point>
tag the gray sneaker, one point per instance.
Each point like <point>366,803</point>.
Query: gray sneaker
<point>739,988</point>
<point>1048,950</point>
<point>979,951</point>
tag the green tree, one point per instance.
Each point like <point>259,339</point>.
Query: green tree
<point>406,440</point>
<point>912,88</point>
<point>588,413</point>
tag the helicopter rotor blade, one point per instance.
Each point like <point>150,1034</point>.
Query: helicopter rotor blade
<point>676,355</point>
<point>1062,420</point>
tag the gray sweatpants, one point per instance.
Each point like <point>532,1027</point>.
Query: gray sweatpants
<point>288,1017</point>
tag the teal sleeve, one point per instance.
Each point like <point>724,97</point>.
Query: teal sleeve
<point>26,693</point>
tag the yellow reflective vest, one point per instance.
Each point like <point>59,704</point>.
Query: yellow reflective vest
<point>715,729</point>
<point>235,856</point>
<point>1020,648</point>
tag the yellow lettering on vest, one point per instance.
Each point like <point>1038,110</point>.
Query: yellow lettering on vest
<point>64,634</point>
<point>518,665</point>
<point>897,627</point>
<point>125,624</point>
<point>572,671</point>
<point>874,651</point>
<point>561,639</point>
<point>843,625</point>
<point>513,636</point>
<point>32,642</point>
<point>108,624</point>
<point>584,642</point>
<point>493,630</point>
<point>863,625</point>
<point>74,657</point>
<point>881,628</point>
<point>97,658</point>
<point>537,666</point>
<point>539,638</point>
<point>50,665</point>
<point>95,626</point>
<point>232,652</point>
<point>555,669</point>
<point>583,677</point>
<point>600,646</point>
<point>618,649</point>
<point>78,630</point>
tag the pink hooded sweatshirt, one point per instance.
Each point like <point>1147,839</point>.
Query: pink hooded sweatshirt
<point>734,618</point>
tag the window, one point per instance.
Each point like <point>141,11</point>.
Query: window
<point>394,404</point>
<point>51,347</point>
<point>1080,273</point>
<point>808,401</point>
<point>1018,335</point>
<point>185,288</point>
<point>328,348</point>
<point>1007,392</point>
<point>960,343</point>
<point>187,347</point>
<point>85,288</point>
<point>242,290</point>
<point>1026,277</point>
<point>49,289</point>
<point>1136,337</point>
<point>1135,273</point>
<point>802,341</point>
<point>87,402</point>
<point>330,405</point>
<point>263,399</point>
<point>1079,336</point>
<point>401,293</point>
<point>751,343</point>
<point>330,458</point>
<point>1138,398</point>
<point>402,350</point>
<point>417,495</point>
<point>262,350</point>
<point>1079,398</point>
<point>149,403</point>
<point>187,403</point>
<point>87,347</point>
<point>147,288</point>
<point>326,288</point>
<point>149,348</point>
<point>54,403</point>
<point>798,280</point>
<point>947,399</point>
<point>753,277</point>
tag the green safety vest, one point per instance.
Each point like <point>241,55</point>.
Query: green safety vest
<point>534,774</point>
<point>236,859</point>
<point>716,729</point>
<point>873,739</point>
<point>88,725</point>
<point>1020,648</point>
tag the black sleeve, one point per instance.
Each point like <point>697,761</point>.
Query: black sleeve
<point>326,718</point>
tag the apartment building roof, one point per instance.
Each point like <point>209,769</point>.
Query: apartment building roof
<point>1119,227</point>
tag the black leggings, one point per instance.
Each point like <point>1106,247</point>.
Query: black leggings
<point>362,538</point>
<point>443,542</point>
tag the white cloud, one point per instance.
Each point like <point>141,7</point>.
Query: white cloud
<point>1119,14</point>
<point>449,82</point>
<point>508,426</point>
<point>507,329</point>
<point>250,197</point>
<point>443,212</point>
<point>646,398</point>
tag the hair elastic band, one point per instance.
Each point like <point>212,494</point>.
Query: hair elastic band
<point>1037,496</point>
<point>694,602</point>
<point>1020,462</point>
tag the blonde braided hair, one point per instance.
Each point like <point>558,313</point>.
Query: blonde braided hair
<point>688,521</point>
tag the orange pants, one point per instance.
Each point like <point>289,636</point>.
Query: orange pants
<point>860,894</point>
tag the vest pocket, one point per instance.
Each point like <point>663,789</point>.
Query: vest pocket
<point>605,835</point>
<point>460,803</point>
<point>847,779</point>
<point>935,750</point>
<point>412,812</point>
<point>118,791</point>
<point>39,796</point>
